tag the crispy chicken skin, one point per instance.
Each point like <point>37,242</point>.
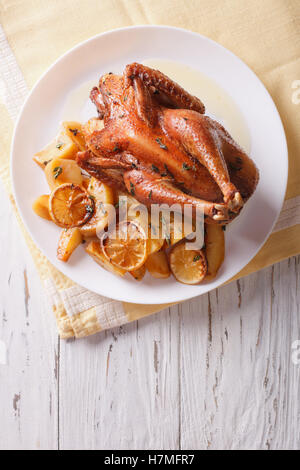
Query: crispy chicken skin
<point>157,140</point>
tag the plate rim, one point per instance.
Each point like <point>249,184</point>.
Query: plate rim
<point>149,27</point>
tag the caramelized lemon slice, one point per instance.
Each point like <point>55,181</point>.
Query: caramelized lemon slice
<point>70,206</point>
<point>126,247</point>
<point>188,266</point>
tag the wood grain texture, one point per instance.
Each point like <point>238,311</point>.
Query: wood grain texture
<point>28,385</point>
<point>213,373</point>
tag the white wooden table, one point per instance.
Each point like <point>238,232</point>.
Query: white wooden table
<point>214,373</point>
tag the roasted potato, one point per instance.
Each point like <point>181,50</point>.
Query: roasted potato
<point>154,245</point>
<point>69,240</point>
<point>139,273</point>
<point>60,171</point>
<point>179,229</point>
<point>74,131</point>
<point>214,249</point>
<point>157,265</point>
<point>41,207</point>
<point>61,147</point>
<point>103,197</point>
<point>95,251</point>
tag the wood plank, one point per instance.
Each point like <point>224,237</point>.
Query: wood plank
<point>28,387</point>
<point>240,389</point>
<point>120,390</point>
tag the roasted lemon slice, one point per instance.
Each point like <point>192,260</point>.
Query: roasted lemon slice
<point>188,266</point>
<point>126,246</point>
<point>70,206</point>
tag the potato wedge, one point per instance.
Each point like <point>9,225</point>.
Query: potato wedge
<point>103,196</point>
<point>139,273</point>
<point>73,129</point>
<point>214,249</point>
<point>154,245</point>
<point>157,265</point>
<point>68,242</point>
<point>61,147</point>
<point>179,229</point>
<point>41,207</point>
<point>60,171</point>
<point>95,251</point>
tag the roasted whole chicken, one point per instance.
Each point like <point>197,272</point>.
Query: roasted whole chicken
<point>158,143</point>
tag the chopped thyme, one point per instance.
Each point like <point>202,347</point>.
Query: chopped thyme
<point>237,165</point>
<point>57,171</point>
<point>132,190</point>
<point>234,167</point>
<point>125,98</point>
<point>133,165</point>
<point>116,148</point>
<point>150,194</point>
<point>154,168</point>
<point>89,209</point>
<point>102,209</point>
<point>161,144</point>
<point>121,116</point>
<point>117,205</point>
<point>185,166</point>
<point>74,131</point>
<point>224,228</point>
<point>59,145</point>
<point>186,119</point>
<point>168,171</point>
<point>108,93</point>
<point>196,258</point>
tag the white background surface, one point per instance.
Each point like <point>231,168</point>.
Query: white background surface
<point>213,373</point>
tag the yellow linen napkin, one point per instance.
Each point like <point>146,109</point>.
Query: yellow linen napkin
<point>265,34</point>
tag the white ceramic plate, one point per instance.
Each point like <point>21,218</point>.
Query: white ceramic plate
<point>38,123</point>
